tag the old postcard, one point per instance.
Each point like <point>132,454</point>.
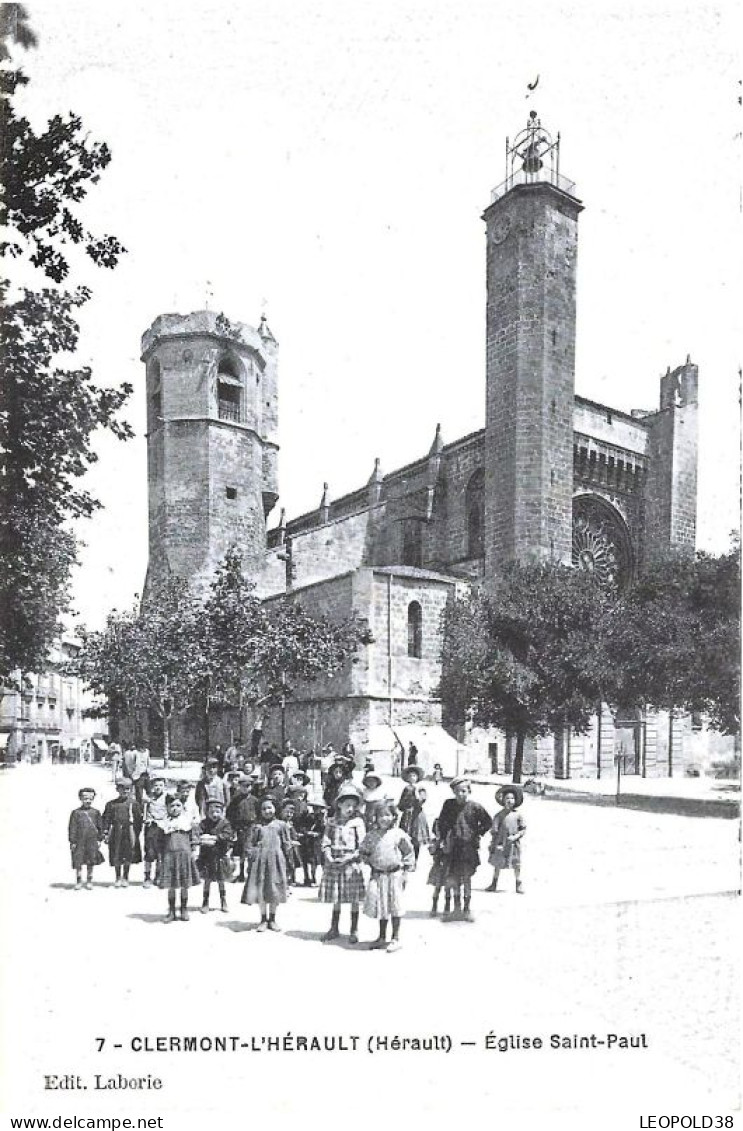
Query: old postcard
<point>383,765</point>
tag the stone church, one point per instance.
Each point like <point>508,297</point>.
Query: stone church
<point>551,475</point>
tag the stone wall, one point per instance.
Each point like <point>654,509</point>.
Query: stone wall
<point>211,478</point>
<point>531,263</point>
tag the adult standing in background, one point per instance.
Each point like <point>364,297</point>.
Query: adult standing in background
<point>116,752</point>
<point>290,761</point>
<point>135,764</point>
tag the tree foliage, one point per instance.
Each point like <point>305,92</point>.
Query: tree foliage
<point>149,658</point>
<point>257,654</point>
<point>675,642</point>
<point>550,644</point>
<point>176,653</point>
<point>526,658</point>
<point>48,412</point>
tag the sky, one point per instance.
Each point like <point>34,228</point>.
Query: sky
<point>328,164</point>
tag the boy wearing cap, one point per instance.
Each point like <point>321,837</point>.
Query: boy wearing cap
<point>242,813</point>
<point>85,832</point>
<point>155,812</point>
<point>122,824</point>
<point>211,787</point>
<point>461,823</point>
<point>310,827</point>
<point>215,841</point>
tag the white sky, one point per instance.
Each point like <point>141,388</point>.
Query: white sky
<point>332,160</point>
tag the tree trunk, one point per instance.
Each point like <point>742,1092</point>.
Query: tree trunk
<point>166,742</point>
<point>518,761</point>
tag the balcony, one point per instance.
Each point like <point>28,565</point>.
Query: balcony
<point>597,462</point>
<point>543,176</point>
<point>227,410</point>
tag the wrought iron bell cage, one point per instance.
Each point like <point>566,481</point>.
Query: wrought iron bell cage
<point>533,158</point>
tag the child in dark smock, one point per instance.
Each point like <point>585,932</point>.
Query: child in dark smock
<point>269,853</point>
<point>216,838</point>
<point>388,851</point>
<point>242,813</point>
<point>437,874</point>
<point>122,825</point>
<point>507,832</point>
<point>85,833</point>
<point>461,824</point>
<point>310,826</point>
<point>178,868</point>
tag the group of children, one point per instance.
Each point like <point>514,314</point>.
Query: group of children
<point>261,832</point>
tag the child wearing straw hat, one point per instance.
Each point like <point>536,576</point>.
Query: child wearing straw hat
<point>389,853</point>
<point>507,832</point>
<point>413,818</point>
<point>342,877</point>
<point>373,796</point>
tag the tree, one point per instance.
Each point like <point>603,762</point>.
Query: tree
<point>48,413</point>
<point>148,659</point>
<point>528,658</point>
<point>258,654</point>
<point>675,641</point>
<point>176,653</point>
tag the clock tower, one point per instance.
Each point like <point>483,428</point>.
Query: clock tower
<point>532,242</point>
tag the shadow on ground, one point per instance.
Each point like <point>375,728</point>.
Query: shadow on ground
<point>680,806</point>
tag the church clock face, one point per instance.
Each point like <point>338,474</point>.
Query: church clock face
<point>501,229</point>
<point>599,545</point>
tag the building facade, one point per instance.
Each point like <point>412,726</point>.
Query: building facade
<point>43,718</point>
<point>551,476</point>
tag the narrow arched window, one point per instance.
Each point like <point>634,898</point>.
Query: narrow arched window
<point>415,629</point>
<point>474,504</point>
<point>412,543</point>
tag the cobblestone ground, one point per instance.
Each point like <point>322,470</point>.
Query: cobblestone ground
<point>630,925</point>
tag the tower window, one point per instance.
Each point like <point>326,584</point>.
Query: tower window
<point>156,401</point>
<point>229,391</point>
<point>412,547</point>
<point>415,629</point>
<point>231,492</point>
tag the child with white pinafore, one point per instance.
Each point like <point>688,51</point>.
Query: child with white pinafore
<point>388,851</point>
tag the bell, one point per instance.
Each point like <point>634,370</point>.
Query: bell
<point>532,161</point>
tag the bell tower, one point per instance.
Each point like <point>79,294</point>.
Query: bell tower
<point>532,242</point>
<point>212,417</point>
